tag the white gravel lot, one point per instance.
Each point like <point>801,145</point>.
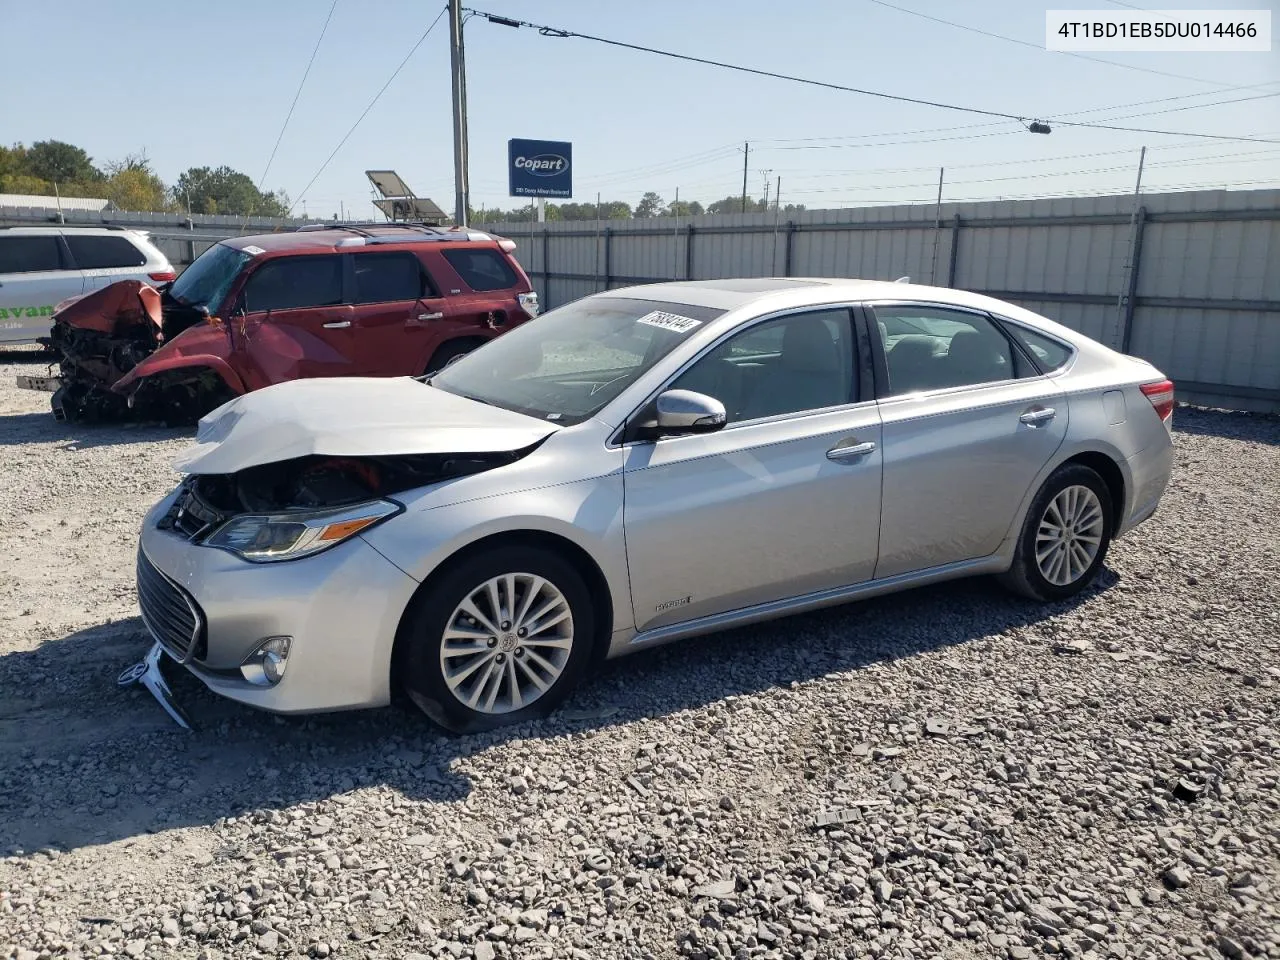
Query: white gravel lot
<point>1092,779</point>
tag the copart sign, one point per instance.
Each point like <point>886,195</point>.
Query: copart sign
<point>540,168</point>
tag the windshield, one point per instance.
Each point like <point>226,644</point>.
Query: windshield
<point>567,364</point>
<point>207,280</point>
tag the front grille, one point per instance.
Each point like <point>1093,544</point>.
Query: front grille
<point>170,613</point>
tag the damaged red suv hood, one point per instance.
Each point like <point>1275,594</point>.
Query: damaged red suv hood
<point>113,309</point>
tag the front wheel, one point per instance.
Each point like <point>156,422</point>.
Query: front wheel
<point>1065,537</point>
<point>500,639</point>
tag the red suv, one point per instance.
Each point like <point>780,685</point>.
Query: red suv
<point>377,300</point>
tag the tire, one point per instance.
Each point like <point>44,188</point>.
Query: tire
<point>480,696</point>
<point>1060,571</point>
<point>448,351</point>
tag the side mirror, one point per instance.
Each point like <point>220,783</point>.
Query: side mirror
<point>685,411</point>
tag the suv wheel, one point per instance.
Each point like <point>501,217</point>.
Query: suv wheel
<point>446,353</point>
<point>1065,537</point>
<point>499,639</point>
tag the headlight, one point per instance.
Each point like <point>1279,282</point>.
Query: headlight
<point>287,536</point>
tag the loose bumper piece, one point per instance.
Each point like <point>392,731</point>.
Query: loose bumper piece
<point>148,673</point>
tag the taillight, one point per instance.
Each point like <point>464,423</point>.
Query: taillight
<point>529,302</point>
<point>163,276</point>
<point>1160,394</point>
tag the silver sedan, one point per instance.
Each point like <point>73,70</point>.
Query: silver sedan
<point>633,468</point>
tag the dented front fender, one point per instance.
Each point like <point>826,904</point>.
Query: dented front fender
<point>206,346</point>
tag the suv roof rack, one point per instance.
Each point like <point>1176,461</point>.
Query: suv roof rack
<point>427,232</point>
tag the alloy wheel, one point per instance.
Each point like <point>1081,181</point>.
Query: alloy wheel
<point>507,643</point>
<point>1070,535</point>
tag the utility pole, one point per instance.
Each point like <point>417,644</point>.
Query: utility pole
<point>765,174</point>
<point>457,65</point>
<point>1130,264</point>
<point>746,153</point>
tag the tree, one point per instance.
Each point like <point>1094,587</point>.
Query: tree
<point>650,205</point>
<point>683,208</point>
<point>132,184</point>
<point>60,163</point>
<point>734,205</point>
<point>226,191</point>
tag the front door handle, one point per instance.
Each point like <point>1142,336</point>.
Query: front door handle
<point>1038,415</point>
<point>430,316</point>
<point>851,449</point>
<point>338,325</point>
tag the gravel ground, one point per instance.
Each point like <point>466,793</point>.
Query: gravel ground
<point>949,773</point>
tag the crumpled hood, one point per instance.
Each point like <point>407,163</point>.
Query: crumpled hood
<point>351,417</point>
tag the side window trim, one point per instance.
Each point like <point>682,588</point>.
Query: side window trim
<point>624,434</point>
<point>883,386</point>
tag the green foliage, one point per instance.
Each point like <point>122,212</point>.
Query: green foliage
<point>132,185</point>
<point>60,163</point>
<point>650,205</point>
<point>682,208</point>
<point>226,191</point>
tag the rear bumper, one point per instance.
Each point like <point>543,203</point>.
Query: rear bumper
<point>1149,471</point>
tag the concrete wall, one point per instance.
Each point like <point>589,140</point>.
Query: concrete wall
<point>1203,303</point>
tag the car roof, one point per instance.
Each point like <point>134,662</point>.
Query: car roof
<point>762,294</point>
<point>97,229</point>
<point>324,237</point>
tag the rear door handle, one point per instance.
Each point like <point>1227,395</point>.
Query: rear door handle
<point>1038,416</point>
<point>850,449</point>
<point>430,316</point>
<point>338,325</point>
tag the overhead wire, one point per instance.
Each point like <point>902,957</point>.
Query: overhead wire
<point>301,83</point>
<point>706,61</point>
<point>412,50</point>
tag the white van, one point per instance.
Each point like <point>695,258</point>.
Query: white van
<point>40,266</point>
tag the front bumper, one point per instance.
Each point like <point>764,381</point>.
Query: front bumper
<point>341,607</point>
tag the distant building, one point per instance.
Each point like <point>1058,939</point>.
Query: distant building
<point>53,204</point>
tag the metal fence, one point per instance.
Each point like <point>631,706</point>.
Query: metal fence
<point>1191,282</point>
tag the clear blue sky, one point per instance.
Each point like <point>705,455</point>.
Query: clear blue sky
<point>209,84</point>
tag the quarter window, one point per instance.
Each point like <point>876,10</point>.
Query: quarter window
<point>388,277</point>
<point>29,254</point>
<point>799,362</point>
<point>481,269</point>
<point>1049,353</point>
<point>932,348</point>
<point>100,253</point>
<point>293,282</point>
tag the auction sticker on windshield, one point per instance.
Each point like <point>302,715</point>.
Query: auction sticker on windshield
<point>669,321</point>
<point>254,251</point>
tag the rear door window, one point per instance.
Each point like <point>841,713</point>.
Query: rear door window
<point>292,282</point>
<point>389,277</point>
<point>100,253</point>
<point>482,270</point>
<point>29,254</point>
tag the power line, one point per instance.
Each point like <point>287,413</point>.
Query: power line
<point>559,32</point>
<point>375,99</point>
<point>297,94</point>
<point>1036,46</point>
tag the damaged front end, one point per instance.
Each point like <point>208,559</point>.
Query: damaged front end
<point>291,508</point>
<point>105,339</point>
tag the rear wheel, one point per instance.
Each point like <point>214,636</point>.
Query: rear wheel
<point>500,639</point>
<point>446,353</point>
<point>1065,536</point>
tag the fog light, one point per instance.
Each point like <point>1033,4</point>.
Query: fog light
<point>266,665</point>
